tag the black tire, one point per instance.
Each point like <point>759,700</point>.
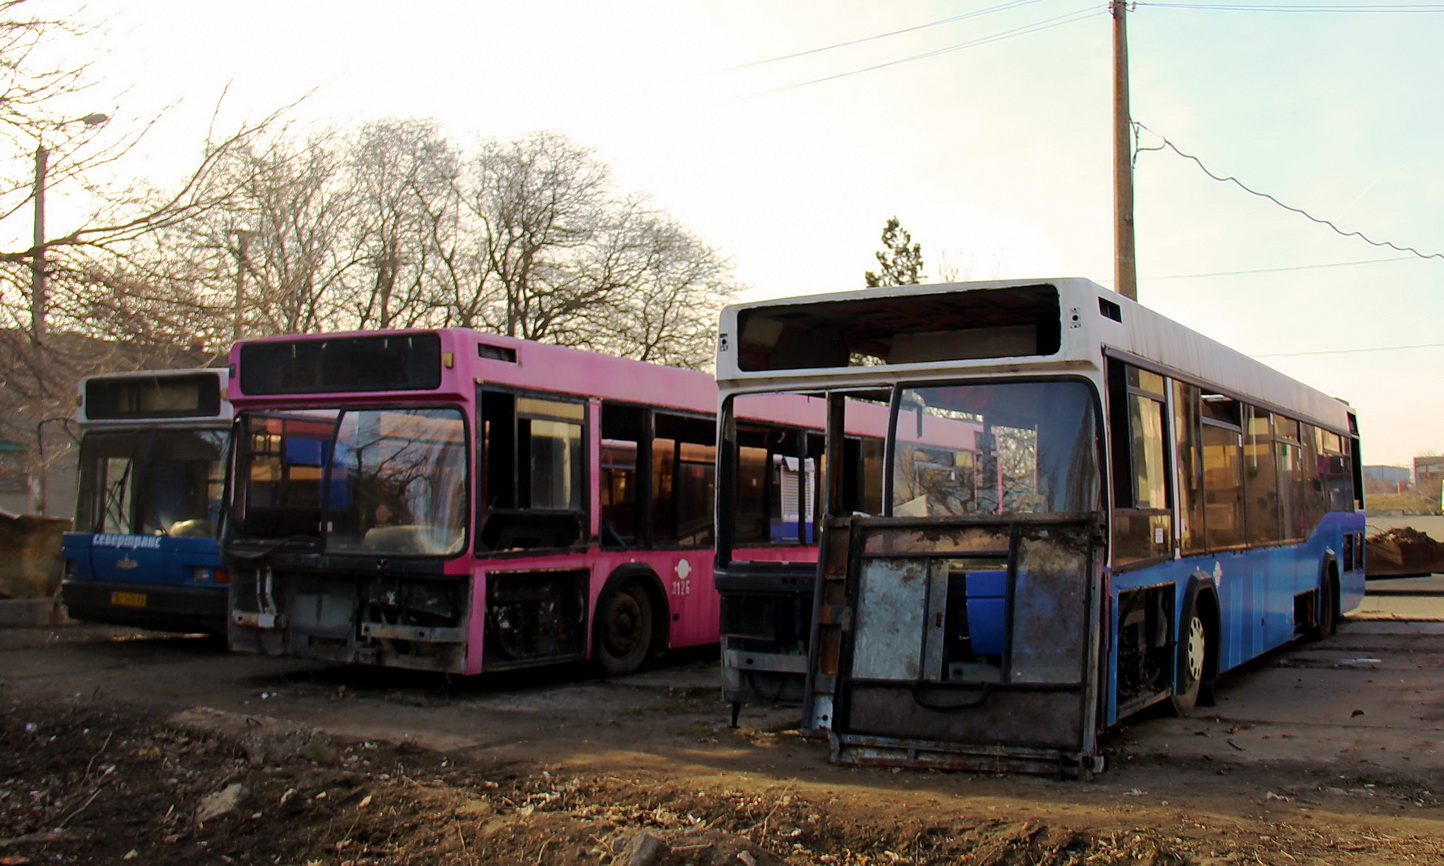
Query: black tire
<point>623,628</point>
<point>1328,609</point>
<point>1192,653</point>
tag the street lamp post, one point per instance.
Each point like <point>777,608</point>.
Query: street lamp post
<point>37,257</point>
<point>243,264</point>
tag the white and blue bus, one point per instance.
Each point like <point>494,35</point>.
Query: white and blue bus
<point>1078,509</point>
<point>152,475</point>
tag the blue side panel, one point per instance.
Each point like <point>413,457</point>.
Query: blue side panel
<point>1351,580</point>
<point>75,546</point>
<point>1256,590</point>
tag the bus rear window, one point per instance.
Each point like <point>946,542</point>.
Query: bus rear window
<point>885,329</point>
<point>385,362</point>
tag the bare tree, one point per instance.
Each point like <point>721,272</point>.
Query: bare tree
<point>273,256</point>
<point>30,88</point>
<point>664,289</point>
<point>404,176</point>
<point>540,200</point>
<point>570,261</point>
<point>87,276</point>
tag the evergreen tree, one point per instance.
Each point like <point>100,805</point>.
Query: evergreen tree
<point>901,259</point>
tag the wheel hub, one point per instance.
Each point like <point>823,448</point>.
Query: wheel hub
<point>622,621</point>
<point>1195,650</point>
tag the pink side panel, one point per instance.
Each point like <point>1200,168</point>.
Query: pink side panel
<point>692,605</point>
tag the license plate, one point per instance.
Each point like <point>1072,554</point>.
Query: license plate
<point>129,599</point>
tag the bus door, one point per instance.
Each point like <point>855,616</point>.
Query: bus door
<point>970,643</point>
<point>115,479</point>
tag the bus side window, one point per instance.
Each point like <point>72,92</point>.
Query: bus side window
<point>1316,475</point>
<point>1190,466</point>
<point>792,509</point>
<point>1261,479</point>
<point>777,484</point>
<point>1142,519</point>
<point>683,480</point>
<point>753,486</point>
<point>498,470</point>
<point>1222,472</point>
<point>1334,463</point>
<point>862,481</point>
<point>531,472</point>
<point>623,436</point>
<point>1288,454</point>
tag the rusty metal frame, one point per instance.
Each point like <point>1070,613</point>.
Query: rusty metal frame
<point>869,695</point>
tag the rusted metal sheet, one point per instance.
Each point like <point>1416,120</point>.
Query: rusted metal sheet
<point>911,541</point>
<point>30,555</point>
<point>864,751</point>
<point>968,645</point>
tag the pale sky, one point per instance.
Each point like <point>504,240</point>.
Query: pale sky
<point>995,156</point>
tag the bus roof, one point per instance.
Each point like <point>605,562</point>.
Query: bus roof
<point>993,328</point>
<point>268,372</point>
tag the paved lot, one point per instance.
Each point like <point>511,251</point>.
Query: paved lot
<point>1372,696</point>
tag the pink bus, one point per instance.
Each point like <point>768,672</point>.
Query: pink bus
<point>464,502</point>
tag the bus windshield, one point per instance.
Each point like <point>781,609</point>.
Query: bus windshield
<point>994,449</point>
<point>151,482</point>
<point>387,480</point>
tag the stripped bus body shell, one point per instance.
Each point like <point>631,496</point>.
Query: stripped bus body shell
<point>1224,515</point>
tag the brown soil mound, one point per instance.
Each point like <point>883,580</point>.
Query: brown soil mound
<point>1403,552</point>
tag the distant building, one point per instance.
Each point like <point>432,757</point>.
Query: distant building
<point>1387,479</point>
<point>1428,471</point>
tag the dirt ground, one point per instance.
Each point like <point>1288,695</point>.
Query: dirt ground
<point>116,747</point>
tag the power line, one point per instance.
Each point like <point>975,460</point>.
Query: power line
<point>1047,24</point>
<point>1241,185</point>
<point>1392,9</point>
<point>1351,351</point>
<point>1280,270</point>
<point>1012,4</point>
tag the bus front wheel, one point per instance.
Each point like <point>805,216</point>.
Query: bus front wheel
<point>624,628</point>
<point>1192,651</point>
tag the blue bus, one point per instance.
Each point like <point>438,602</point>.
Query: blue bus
<point>152,474</point>
<point>1076,509</point>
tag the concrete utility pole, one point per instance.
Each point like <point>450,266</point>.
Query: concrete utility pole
<point>1125,270</point>
<point>37,258</point>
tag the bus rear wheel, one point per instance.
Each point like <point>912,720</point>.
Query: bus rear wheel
<point>623,628</point>
<point>1328,609</point>
<point>1193,650</point>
